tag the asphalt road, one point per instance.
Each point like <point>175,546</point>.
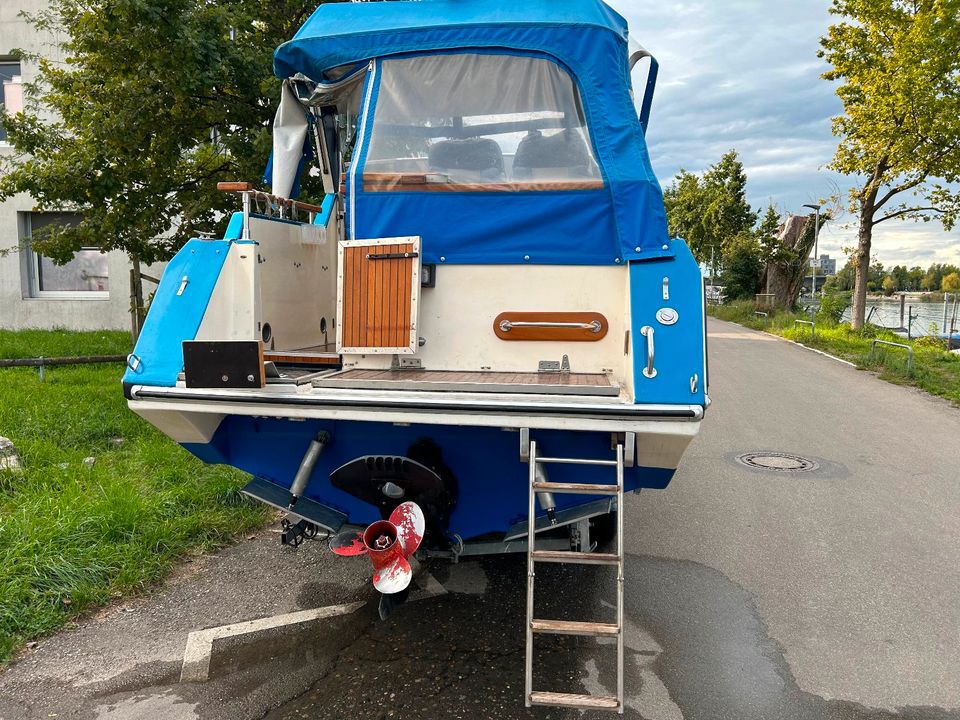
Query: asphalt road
<point>751,595</point>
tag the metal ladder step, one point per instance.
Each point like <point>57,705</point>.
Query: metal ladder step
<point>574,627</point>
<point>575,461</point>
<point>576,558</point>
<point>599,702</point>
<point>576,488</point>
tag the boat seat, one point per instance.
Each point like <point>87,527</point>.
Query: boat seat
<point>468,160</point>
<point>564,154</point>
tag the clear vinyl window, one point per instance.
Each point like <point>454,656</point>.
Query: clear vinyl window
<point>478,122</point>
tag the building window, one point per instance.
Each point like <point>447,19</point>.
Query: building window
<point>11,91</point>
<point>85,277</point>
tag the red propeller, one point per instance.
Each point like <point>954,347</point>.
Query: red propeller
<point>388,543</point>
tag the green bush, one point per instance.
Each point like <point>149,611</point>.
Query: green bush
<point>930,342</point>
<point>832,307</point>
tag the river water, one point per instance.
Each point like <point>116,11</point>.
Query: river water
<point>927,317</point>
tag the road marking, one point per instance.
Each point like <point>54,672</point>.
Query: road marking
<point>758,335</point>
<point>825,354</point>
<point>199,649</point>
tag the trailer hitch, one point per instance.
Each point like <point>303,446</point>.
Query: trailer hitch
<point>295,533</point>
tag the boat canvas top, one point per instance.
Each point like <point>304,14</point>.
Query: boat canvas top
<point>616,218</point>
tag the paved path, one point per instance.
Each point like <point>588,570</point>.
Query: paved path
<point>751,595</point>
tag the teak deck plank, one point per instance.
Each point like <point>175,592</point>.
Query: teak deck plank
<point>469,376</point>
<point>473,381</point>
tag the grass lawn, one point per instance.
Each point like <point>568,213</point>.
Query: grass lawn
<point>72,536</point>
<point>934,369</point>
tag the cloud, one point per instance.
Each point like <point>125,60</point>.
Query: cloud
<point>744,74</point>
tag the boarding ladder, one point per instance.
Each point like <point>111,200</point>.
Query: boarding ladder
<point>535,626</point>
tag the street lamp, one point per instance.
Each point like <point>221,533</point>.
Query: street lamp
<point>816,257</point>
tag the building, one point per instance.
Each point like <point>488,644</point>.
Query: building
<point>91,292</point>
<point>827,266</point>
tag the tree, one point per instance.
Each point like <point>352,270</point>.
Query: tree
<point>728,213</point>
<point>951,283</point>
<point>933,278</point>
<point>156,102</point>
<point>901,277</point>
<point>915,275</point>
<point>684,201</point>
<point>844,279</point>
<point>768,234</point>
<point>743,267</point>
<point>786,260</point>
<point>875,276</point>
<point>889,285</point>
<point>900,131</point>
<point>709,211</point>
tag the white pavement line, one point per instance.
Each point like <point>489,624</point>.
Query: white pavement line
<point>196,656</point>
<point>820,352</point>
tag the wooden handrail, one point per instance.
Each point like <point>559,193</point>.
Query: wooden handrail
<point>244,187</point>
<point>234,186</point>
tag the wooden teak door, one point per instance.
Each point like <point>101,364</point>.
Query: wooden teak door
<point>378,290</point>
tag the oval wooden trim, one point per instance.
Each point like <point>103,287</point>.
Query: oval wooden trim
<point>551,334</point>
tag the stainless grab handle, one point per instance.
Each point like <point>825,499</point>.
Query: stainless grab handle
<point>593,326</point>
<point>649,371</point>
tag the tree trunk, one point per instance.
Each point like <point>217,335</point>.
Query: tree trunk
<point>861,258</point>
<point>783,279</point>
<point>137,312</point>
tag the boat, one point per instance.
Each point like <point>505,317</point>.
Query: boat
<point>952,339</point>
<point>484,315</point>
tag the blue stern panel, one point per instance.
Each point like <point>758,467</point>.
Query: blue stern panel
<point>176,311</point>
<point>667,296</point>
<point>491,482</point>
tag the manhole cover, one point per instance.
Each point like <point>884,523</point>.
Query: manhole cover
<point>777,461</point>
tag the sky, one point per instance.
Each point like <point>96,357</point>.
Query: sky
<point>744,75</point>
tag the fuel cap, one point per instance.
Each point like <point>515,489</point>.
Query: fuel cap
<point>667,316</point>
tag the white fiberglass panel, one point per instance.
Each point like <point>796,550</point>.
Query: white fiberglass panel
<point>456,318</point>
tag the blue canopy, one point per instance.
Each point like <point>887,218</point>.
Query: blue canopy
<point>588,39</point>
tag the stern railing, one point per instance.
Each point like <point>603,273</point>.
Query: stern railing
<point>285,208</point>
